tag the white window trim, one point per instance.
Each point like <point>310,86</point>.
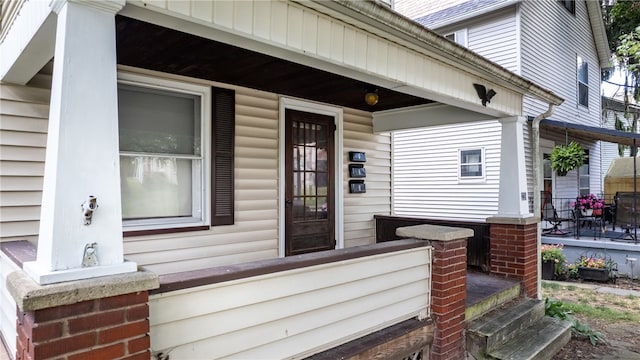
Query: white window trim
<point>205,139</point>
<point>472,179</point>
<point>578,82</point>
<point>460,37</point>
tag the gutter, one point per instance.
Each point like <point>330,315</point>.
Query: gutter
<point>394,27</point>
<point>537,170</point>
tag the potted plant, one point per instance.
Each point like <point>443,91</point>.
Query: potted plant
<point>565,158</point>
<point>596,268</point>
<point>587,204</point>
<point>553,261</point>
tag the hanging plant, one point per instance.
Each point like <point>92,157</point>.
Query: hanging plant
<point>565,158</point>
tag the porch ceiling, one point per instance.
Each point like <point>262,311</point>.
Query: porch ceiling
<point>561,130</point>
<point>144,45</point>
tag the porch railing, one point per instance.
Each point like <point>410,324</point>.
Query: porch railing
<point>291,307</point>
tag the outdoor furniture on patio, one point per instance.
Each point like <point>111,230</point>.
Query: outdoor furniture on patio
<point>550,215</point>
<point>627,216</point>
<point>593,222</point>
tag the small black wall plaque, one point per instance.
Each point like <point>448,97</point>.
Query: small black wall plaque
<point>357,171</point>
<point>357,187</point>
<point>357,156</point>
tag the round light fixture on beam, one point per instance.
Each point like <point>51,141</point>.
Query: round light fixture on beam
<point>371,97</point>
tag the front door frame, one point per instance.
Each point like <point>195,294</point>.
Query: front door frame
<point>337,114</point>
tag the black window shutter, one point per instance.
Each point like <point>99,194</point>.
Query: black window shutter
<point>222,164</point>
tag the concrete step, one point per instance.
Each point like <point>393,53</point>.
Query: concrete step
<point>501,325</point>
<point>540,341</point>
<point>487,303</point>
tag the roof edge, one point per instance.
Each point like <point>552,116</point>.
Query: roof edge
<point>473,14</point>
<point>388,21</point>
<point>599,33</point>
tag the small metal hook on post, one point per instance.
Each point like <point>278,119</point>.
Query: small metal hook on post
<point>88,207</point>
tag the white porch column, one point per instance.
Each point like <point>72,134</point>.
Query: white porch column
<point>513,200</point>
<point>82,157</point>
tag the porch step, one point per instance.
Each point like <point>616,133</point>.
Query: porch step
<point>539,342</point>
<point>518,332</point>
<point>500,293</point>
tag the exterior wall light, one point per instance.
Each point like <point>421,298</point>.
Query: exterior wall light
<point>371,97</point>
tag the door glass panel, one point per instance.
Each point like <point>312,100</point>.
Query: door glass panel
<point>310,178</point>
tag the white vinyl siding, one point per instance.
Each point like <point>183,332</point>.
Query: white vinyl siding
<point>549,58</point>
<point>295,313</point>
<point>24,112</point>
<point>254,236</point>
<point>303,28</point>
<point>538,40</point>
<point>494,37</point>
<point>359,227</point>
<point>425,170</point>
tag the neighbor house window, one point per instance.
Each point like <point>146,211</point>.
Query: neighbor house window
<point>165,154</point>
<point>471,164</point>
<point>570,5</point>
<point>583,82</point>
<point>459,37</point>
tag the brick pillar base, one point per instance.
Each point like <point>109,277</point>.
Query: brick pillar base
<point>514,253</point>
<point>448,286</point>
<point>98,318</point>
<point>115,327</point>
<point>448,298</point>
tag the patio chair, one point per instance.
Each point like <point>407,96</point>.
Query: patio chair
<point>627,216</point>
<point>550,215</point>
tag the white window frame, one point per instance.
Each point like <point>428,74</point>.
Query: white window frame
<point>580,62</point>
<point>460,37</point>
<point>584,174</point>
<point>201,188</point>
<point>482,164</point>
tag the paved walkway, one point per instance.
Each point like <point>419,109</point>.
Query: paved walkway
<point>599,288</point>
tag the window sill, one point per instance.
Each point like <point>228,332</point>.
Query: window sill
<point>131,233</point>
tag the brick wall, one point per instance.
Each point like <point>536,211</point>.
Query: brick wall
<point>514,254</point>
<point>448,298</point>
<point>115,327</point>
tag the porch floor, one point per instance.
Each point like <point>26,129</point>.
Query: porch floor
<point>481,286</point>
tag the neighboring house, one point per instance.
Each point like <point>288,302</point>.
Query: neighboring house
<point>453,171</point>
<point>614,116</point>
<point>168,168</point>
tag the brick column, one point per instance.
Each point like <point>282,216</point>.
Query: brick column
<point>448,286</point>
<point>102,318</point>
<point>514,250</point>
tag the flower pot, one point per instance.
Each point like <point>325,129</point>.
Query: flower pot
<point>548,269</point>
<point>595,274</point>
<point>587,212</point>
<point>597,212</point>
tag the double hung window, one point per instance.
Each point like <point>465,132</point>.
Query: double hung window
<point>583,82</point>
<point>162,154</point>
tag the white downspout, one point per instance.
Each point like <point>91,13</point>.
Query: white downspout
<point>536,185</point>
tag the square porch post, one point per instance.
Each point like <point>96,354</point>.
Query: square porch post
<point>82,155</point>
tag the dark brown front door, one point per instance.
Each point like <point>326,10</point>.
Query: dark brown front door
<point>309,188</point>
